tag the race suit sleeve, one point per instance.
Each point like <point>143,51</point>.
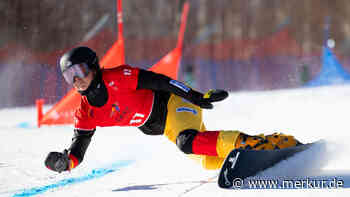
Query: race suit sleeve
<point>159,82</point>
<point>84,130</point>
<point>80,143</point>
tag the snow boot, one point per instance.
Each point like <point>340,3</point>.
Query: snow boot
<point>255,142</point>
<point>282,140</point>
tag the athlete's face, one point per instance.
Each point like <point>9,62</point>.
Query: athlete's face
<point>81,84</point>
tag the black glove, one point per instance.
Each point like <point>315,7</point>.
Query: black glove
<point>57,161</point>
<point>205,101</point>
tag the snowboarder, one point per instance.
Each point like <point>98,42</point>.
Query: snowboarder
<point>155,103</point>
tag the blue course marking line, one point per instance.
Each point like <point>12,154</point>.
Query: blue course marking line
<point>95,173</point>
<point>24,125</point>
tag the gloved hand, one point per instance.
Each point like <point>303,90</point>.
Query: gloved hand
<point>205,101</point>
<point>58,161</point>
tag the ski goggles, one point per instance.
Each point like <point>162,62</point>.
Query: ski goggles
<point>77,70</point>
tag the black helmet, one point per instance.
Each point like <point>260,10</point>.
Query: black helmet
<point>80,55</point>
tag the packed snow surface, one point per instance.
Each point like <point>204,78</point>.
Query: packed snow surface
<point>122,161</point>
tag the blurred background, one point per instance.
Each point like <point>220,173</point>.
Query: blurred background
<point>239,45</point>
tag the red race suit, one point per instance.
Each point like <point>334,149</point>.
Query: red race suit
<point>126,105</point>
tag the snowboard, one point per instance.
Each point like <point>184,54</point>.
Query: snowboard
<point>240,164</point>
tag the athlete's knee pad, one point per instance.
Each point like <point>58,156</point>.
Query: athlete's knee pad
<point>184,140</point>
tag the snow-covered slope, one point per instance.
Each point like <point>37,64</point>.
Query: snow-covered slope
<point>124,162</point>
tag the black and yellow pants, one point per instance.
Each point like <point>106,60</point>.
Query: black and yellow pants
<point>184,126</point>
<point>183,115</point>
